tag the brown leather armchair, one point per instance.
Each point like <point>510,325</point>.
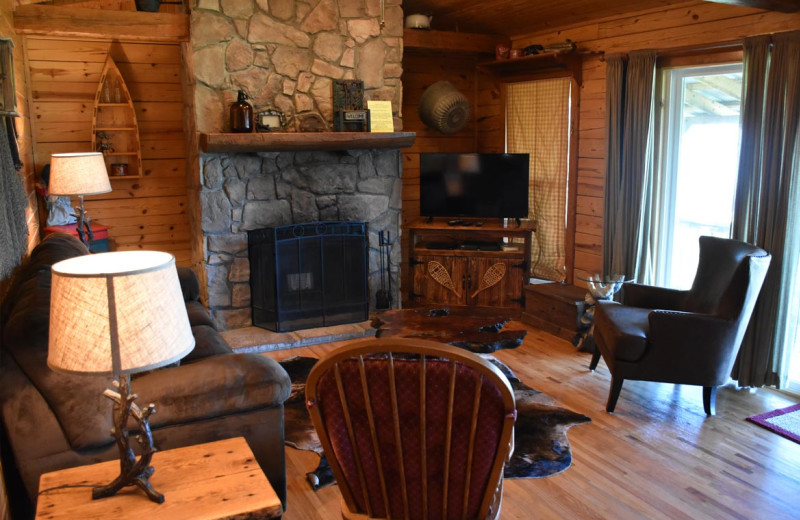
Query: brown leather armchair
<point>683,337</point>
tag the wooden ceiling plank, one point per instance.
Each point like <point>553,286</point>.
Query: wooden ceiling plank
<point>782,6</point>
<point>77,22</point>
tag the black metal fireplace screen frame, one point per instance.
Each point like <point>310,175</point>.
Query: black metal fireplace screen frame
<point>308,275</point>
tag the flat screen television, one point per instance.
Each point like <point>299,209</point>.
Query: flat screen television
<point>478,185</point>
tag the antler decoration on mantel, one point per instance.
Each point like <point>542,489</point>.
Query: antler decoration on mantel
<point>441,276</point>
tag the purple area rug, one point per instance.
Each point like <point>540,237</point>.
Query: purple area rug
<point>541,447</point>
<point>784,422</point>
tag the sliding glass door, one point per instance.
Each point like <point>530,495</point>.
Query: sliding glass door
<point>698,151</point>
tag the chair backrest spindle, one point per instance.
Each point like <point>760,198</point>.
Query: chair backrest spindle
<point>374,435</point>
<point>398,437</point>
<point>352,436</point>
<point>407,424</point>
<point>476,405</point>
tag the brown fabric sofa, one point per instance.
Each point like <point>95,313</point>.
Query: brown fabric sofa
<point>52,420</point>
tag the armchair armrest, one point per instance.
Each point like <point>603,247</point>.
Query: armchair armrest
<point>698,348</point>
<point>652,297</point>
<point>212,387</point>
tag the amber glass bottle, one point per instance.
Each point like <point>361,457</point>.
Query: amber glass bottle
<point>241,115</point>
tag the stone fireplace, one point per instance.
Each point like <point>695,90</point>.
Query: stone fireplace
<point>286,54</point>
<point>242,192</point>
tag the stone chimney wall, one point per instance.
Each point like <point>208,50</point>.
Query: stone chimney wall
<point>285,55</point>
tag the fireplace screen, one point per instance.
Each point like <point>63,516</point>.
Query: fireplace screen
<point>308,275</point>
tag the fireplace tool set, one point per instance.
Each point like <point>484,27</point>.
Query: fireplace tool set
<point>383,298</point>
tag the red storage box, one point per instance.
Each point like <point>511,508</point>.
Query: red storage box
<point>98,245</point>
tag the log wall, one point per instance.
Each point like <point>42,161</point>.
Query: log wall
<point>421,70</point>
<point>675,29</point>
<point>145,213</point>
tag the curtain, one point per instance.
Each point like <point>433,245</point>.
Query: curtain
<point>13,203</point>
<point>766,191</point>
<point>629,101</point>
<point>538,124</point>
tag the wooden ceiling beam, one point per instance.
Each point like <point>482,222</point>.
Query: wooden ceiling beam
<point>725,85</point>
<point>708,105</point>
<point>782,6</point>
<point>80,22</point>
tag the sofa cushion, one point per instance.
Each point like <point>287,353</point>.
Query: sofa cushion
<point>76,400</point>
<point>208,342</point>
<point>190,286</point>
<point>624,327</point>
<point>212,387</point>
<point>198,315</point>
<point>25,315</point>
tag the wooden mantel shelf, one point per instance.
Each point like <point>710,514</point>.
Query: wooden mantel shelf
<point>297,141</point>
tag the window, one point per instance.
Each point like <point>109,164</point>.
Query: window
<point>697,165</point>
<point>538,123</point>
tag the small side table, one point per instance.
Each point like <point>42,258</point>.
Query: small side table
<point>600,288</point>
<point>213,481</point>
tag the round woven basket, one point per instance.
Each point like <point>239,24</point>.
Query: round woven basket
<point>444,108</point>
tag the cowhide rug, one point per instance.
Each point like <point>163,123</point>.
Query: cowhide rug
<point>541,447</point>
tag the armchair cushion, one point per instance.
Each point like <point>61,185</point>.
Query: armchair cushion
<point>720,281</point>
<point>626,328</point>
<point>652,297</point>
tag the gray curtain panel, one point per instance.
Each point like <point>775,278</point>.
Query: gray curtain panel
<point>768,172</point>
<point>13,227</point>
<point>629,97</point>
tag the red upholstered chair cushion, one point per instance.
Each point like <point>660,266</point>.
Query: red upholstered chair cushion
<point>439,480</point>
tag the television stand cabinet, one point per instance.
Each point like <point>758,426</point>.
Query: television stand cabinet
<point>474,263</point>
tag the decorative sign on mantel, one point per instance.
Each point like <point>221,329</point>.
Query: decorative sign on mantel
<point>349,114</point>
<point>380,115</point>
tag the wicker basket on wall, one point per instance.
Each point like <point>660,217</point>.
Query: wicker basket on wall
<point>444,108</point>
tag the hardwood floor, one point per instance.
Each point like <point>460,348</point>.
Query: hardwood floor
<point>658,456</point>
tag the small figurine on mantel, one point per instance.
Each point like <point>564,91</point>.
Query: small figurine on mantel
<point>241,115</point>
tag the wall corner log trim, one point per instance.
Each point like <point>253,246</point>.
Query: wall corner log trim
<point>78,22</point>
<point>297,141</point>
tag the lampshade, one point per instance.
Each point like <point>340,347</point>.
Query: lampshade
<point>78,174</point>
<point>117,313</point>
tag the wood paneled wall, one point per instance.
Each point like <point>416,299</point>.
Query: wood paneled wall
<point>145,213</point>
<point>691,25</point>
<point>24,130</point>
<point>421,70</point>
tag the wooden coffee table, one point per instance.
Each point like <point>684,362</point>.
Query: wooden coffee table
<point>474,329</point>
<point>212,481</point>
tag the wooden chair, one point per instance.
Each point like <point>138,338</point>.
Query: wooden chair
<point>413,429</point>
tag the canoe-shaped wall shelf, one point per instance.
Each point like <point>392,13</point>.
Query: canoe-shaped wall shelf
<point>115,131</point>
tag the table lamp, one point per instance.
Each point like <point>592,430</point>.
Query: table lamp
<point>119,313</point>
<point>79,174</point>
